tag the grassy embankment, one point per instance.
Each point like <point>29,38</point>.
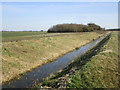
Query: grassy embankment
<point>100,71</point>
<point>19,57</point>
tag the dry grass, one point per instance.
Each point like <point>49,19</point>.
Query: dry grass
<point>22,56</point>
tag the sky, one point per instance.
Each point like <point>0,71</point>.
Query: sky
<point>60,0</point>
<point>18,16</point>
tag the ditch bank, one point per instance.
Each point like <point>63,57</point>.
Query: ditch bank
<point>61,79</point>
<point>37,75</point>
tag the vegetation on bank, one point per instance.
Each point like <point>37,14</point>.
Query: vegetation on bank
<point>101,71</point>
<point>22,56</point>
<point>98,69</point>
<point>75,28</point>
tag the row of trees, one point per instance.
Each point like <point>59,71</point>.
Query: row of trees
<point>75,28</point>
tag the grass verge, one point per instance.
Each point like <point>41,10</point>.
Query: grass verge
<point>101,71</point>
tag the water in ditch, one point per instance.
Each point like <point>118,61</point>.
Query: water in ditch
<point>35,76</point>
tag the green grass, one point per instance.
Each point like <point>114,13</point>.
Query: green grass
<point>22,33</point>
<point>22,56</point>
<point>102,69</point>
<point>7,36</point>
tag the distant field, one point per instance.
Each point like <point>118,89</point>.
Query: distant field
<point>10,36</point>
<point>21,56</point>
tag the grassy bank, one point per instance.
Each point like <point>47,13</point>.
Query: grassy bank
<point>101,71</point>
<point>98,69</point>
<point>19,57</point>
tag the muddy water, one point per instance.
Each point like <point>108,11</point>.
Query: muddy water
<point>35,76</point>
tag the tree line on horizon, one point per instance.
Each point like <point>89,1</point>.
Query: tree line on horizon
<point>75,28</point>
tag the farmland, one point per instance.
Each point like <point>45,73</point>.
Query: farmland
<point>60,45</point>
<point>12,36</point>
<point>28,35</point>
<point>24,55</point>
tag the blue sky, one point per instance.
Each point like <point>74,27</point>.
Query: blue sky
<point>43,15</point>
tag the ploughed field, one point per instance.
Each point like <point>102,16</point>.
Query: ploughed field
<point>24,54</point>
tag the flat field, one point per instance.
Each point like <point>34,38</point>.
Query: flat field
<point>24,55</point>
<point>12,36</point>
